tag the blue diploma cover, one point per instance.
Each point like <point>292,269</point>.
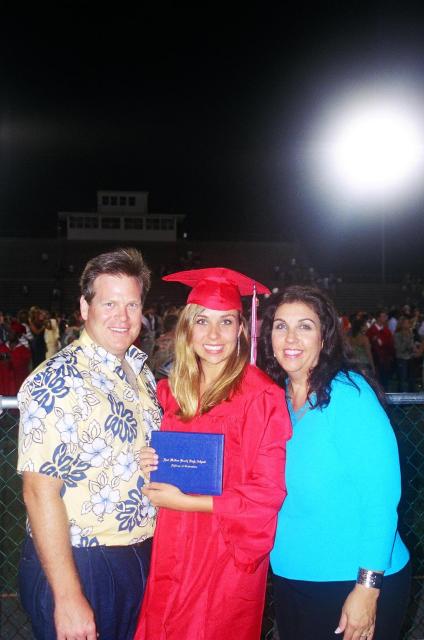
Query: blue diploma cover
<point>191,461</point>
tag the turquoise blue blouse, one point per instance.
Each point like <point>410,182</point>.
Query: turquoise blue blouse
<point>343,489</point>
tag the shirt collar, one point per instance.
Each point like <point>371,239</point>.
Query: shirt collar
<point>133,356</point>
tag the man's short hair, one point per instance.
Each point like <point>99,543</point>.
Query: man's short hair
<point>128,262</point>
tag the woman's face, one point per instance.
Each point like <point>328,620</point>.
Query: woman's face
<point>364,327</point>
<point>214,337</point>
<point>296,339</point>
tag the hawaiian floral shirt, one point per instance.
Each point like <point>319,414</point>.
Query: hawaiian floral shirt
<point>82,421</point>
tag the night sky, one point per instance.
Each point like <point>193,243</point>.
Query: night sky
<point>208,109</point>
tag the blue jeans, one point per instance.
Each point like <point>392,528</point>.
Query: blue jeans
<point>113,580</point>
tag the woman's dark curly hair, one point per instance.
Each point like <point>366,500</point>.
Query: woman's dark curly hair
<point>335,355</point>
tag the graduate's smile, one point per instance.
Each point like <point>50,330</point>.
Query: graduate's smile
<point>214,336</point>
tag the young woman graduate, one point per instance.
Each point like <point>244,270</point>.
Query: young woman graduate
<point>210,554</point>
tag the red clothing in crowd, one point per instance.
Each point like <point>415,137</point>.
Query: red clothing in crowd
<point>14,368</point>
<point>208,571</point>
<point>382,346</point>
<point>383,351</point>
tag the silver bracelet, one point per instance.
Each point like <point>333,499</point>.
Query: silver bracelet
<point>369,579</point>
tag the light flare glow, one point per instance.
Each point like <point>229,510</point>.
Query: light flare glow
<point>369,148</point>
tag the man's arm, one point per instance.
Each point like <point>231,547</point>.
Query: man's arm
<point>73,616</point>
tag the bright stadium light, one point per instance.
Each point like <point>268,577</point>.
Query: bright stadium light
<point>368,148</point>
<point>366,153</point>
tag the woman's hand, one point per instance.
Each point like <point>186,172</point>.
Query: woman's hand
<point>162,494</point>
<point>148,459</point>
<point>358,614</point>
<point>166,495</point>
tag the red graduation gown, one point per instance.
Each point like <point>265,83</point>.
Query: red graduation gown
<point>208,571</point>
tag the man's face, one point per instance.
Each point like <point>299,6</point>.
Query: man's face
<point>113,318</point>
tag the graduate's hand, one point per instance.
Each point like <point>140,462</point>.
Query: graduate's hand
<point>148,459</point>
<point>162,494</point>
<point>166,495</point>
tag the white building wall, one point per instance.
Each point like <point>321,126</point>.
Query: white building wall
<point>121,215</point>
<point>93,226</point>
<point>122,201</point>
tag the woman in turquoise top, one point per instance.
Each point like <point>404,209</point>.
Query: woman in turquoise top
<point>339,564</point>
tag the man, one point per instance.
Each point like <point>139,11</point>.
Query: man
<point>15,358</point>
<point>85,414</point>
<point>163,355</point>
<point>149,330</point>
<point>382,347</point>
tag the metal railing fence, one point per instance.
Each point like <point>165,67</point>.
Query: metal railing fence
<point>407,415</point>
<point>13,621</point>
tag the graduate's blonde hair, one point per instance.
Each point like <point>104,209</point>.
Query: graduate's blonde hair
<point>184,378</point>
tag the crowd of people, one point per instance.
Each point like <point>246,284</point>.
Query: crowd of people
<point>310,477</point>
<point>27,339</point>
<point>388,343</point>
<point>296,272</point>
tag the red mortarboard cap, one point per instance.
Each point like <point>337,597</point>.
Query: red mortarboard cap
<point>217,288</point>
